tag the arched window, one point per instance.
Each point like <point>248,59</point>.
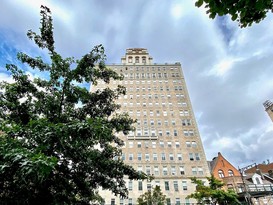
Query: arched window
<point>130,59</point>
<point>258,180</point>
<point>143,59</point>
<point>137,59</point>
<point>230,173</point>
<point>221,173</point>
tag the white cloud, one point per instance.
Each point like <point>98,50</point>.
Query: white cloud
<point>228,70</point>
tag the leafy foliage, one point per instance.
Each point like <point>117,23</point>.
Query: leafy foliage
<point>213,194</point>
<point>155,197</point>
<point>58,141</point>
<point>244,11</point>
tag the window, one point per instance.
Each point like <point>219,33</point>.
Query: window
<point>130,59</point>
<point>167,187</point>
<point>182,170</point>
<point>173,170</point>
<point>175,185</point>
<point>191,156</point>
<point>140,188</point>
<point>194,171</point>
<point>138,144</point>
<point>163,156</point>
<point>139,169</point>
<point>188,144</point>
<point>156,170</point>
<point>130,201</point>
<point>147,157</point>
<point>169,144</point>
<point>171,156</point>
<point>165,170</point>
<point>177,201</point>
<point>193,144</point>
<point>123,156</point>
<point>139,156</point>
<point>168,200</point>
<point>136,59</point>
<point>200,171</point>
<point>179,157</point>
<point>161,144</point>
<point>230,173</point>
<point>148,170</point>
<point>131,156</point>
<point>130,185</point>
<point>121,201</point>
<point>155,156</point>
<point>149,186</point>
<point>131,144</point>
<point>153,144</point>
<point>112,201</point>
<point>177,144</point>
<point>184,185</point>
<point>197,156</point>
<point>221,173</point>
<point>175,133</point>
<point>257,180</point>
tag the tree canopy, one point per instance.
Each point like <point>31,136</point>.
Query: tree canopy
<point>58,141</point>
<point>155,197</point>
<point>213,194</point>
<point>245,12</point>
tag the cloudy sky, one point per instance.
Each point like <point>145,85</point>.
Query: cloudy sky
<point>228,70</point>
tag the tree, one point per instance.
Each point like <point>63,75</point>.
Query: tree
<point>58,141</point>
<point>244,11</point>
<point>152,198</point>
<point>213,194</point>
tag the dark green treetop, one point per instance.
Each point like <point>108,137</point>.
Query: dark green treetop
<point>58,141</point>
<point>245,12</point>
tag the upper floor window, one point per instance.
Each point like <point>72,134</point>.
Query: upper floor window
<point>221,173</point>
<point>137,59</point>
<point>143,59</point>
<point>230,173</point>
<point>130,59</point>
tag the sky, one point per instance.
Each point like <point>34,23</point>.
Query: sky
<point>228,70</point>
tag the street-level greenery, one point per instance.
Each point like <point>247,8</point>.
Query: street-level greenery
<point>154,197</point>
<point>58,141</point>
<point>213,193</point>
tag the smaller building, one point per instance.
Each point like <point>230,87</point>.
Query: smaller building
<point>223,170</point>
<point>253,184</point>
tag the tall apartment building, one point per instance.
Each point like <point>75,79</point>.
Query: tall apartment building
<point>166,142</point>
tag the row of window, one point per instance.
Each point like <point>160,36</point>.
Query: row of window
<point>168,201</point>
<point>145,68</point>
<point>161,156</point>
<point>176,185</point>
<point>150,75</point>
<point>162,144</point>
<point>186,133</point>
<point>151,96</point>
<point>152,104</point>
<point>167,82</point>
<point>222,175</point>
<point>159,122</point>
<point>153,132</point>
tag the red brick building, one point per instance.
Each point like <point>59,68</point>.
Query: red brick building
<point>226,172</point>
